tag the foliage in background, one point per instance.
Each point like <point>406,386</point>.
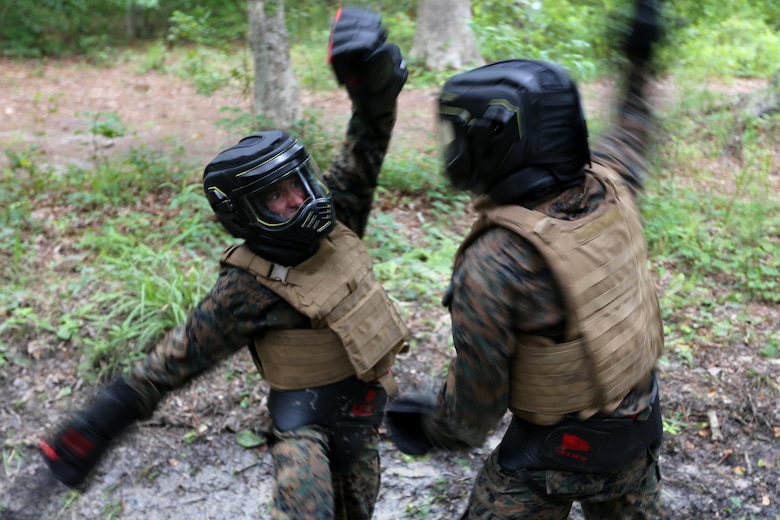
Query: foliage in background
<point>718,236</point>
<point>111,293</point>
<point>84,27</point>
<point>733,37</point>
<point>712,222</point>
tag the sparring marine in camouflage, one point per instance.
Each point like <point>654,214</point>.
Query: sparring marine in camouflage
<point>471,402</point>
<point>268,192</point>
<point>239,309</point>
<point>555,317</point>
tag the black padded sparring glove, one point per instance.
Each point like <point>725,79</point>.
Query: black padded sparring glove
<point>405,417</point>
<point>373,71</point>
<point>644,32</point>
<point>75,450</point>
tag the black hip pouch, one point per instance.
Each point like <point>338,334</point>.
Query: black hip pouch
<point>591,446</point>
<point>349,409</point>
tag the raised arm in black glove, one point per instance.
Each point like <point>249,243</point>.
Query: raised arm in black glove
<point>77,447</point>
<point>643,35</point>
<point>373,71</point>
<point>645,31</point>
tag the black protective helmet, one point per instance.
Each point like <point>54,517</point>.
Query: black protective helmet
<point>268,191</point>
<point>512,129</point>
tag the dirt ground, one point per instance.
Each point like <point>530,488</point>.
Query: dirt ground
<point>723,460</point>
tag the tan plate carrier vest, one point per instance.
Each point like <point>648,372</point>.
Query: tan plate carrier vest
<point>356,330</point>
<point>614,335</point>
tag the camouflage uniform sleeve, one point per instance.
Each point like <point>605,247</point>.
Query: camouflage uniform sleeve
<point>353,176</point>
<point>624,148</point>
<point>236,310</point>
<point>501,287</point>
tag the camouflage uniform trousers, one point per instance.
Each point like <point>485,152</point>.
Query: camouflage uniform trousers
<point>304,487</point>
<point>633,492</point>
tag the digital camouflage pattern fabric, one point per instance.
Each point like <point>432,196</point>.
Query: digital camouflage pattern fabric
<point>633,492</point>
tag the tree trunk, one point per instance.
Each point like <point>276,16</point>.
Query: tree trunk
<point>276,101</point>
<point>443,39</point>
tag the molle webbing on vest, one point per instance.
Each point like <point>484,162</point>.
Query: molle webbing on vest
<point>355,328</point>
<point>614,334</point>
<point>295,359</point>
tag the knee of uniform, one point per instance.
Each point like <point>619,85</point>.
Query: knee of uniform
<point>306,446</point>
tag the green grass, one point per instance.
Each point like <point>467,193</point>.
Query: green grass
<point>712,223</point>
<point>140,242</point>
<point>107,258</point>
<point>711,210</point>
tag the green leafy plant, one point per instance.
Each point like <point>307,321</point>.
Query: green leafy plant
<point>248,439</point>
<point>772,347</point>
<point>107,125</point>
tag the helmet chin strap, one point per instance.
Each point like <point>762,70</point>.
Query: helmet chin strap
<point>531,183</point>
<point>283,253</point>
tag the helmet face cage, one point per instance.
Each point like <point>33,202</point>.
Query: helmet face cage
<point>297,199</point>
<point>474,149</point>
<point>454,147</point>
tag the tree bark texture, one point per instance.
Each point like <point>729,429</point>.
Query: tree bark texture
<point>276,101</point>
<point>443,39</point>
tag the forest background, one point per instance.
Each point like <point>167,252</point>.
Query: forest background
<point>105,247</point>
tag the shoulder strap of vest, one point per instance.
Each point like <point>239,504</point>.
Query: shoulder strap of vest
<point>239,255</point>
<point>519,219</point>
<point>610,178</point>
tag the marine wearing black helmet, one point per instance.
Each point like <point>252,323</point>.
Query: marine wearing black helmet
<point>555,316</point>
<point>514,130</point>
<point>297,291</point>
<point>237,183</point>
